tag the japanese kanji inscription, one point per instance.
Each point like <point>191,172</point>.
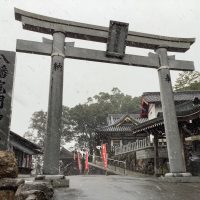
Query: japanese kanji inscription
<point>7,63</point>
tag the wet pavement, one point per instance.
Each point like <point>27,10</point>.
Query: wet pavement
<point>102,187</point>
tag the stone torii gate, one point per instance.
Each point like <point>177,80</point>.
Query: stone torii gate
<point>117,38</point>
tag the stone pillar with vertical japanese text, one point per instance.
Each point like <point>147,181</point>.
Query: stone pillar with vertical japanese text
<point>8,164</point>
<point>7,66</point>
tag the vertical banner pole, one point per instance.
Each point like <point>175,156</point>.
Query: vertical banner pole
<point>86,162</point>
<point>104,157</point>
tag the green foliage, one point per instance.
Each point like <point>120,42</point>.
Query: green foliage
<point>188,81</point>
<point>80,122</point>
<point>38,123</point>
<point>68,124</point>
<point>37,128</point>
<point>29,135</point>
<point>88,116</point>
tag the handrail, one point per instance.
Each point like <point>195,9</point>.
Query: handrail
<point>135,146</point>
<point>112,160</point>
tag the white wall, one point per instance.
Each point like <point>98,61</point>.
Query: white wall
<point>153,110</point>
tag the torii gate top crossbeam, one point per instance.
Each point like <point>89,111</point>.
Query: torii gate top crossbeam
<point>48,25</point>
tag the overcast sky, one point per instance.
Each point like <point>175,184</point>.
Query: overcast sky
<point>82,79</point>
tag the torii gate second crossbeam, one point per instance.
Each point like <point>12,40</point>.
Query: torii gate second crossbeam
<point>117,38</point>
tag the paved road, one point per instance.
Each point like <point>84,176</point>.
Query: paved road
<point>126,188</point>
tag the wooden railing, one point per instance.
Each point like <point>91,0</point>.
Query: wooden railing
<point>118,166</point>
<point>137,145</point>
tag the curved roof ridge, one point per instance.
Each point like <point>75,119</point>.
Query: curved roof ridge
<point>185,91</point>
<point>151,97</point>
<point>119,120</point>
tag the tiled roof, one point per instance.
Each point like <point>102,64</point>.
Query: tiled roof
<point>115,129</point>
<point>185,110</point>
<point>141,120</point>
<point>65,154</point>
<point>115,118</point>
<point>23,144</point>
<point>184,105</point>
<point>114,124</point>
<point>153,97</point>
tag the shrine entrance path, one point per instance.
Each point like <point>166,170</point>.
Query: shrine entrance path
<point>125,188</point>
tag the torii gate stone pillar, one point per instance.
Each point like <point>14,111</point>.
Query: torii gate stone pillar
<point>52,142</point>
<point>174,147</point>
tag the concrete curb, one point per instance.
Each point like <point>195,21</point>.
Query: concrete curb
<point>57,181</point>
<point>191,179</point>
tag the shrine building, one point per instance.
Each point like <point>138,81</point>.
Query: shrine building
<point>143,133</point>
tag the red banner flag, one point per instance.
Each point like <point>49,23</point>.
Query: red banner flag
<point>79,161</point>
<point>86,161</point>
<point>104,156</point>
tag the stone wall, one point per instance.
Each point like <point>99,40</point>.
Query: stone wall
<point>148,153</point>
<point>8,174</point>
<point>8,165</point>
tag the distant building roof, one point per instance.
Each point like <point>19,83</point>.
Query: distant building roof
<point>121,123</point>
<point>23,144</point>
<point>153,97</point>
<point>185,111</point>
<point>113,119</point>
<point>115,129</point>
<point>117,122</point>
<point>65,154</point>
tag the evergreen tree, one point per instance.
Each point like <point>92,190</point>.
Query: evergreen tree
<point>80,122</point>
<point>188,81</point>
